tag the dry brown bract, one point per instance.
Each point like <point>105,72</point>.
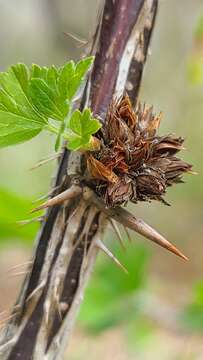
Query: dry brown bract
<point>134,163</point>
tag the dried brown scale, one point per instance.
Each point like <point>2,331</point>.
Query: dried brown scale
<point>134,163</point>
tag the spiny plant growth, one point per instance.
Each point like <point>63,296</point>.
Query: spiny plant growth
<point>126,159</point>
<point>118,158</point>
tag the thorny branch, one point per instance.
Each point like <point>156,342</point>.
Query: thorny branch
<point>70,236</point>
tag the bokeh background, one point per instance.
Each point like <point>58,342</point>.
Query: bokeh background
<point>156,312</point>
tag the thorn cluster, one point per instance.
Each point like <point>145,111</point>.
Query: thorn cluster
<point>134,163</point>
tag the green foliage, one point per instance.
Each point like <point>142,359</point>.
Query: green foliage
<point>12,209</point>
<point>195,65</point>
<point>139,333</point>
<point>108,303</point>
<point>71,76</point>
<point>30,98</point>
<point>192,316</point>
<point>81,126</point>
<point>195,70</point>
<point>19,120</point>
<point>199,28</point>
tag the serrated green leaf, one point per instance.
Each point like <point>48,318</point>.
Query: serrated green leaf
<point>10,83</point>
<point>52,77</point>
<point>83,66</point>
<point>74,85</point>
<point>45,94</point>
<point>15,129</point>
<point>30,97</point>
<point>44,99</point>
<point>83,123</point>
<point>89,124</point>
<point>8,102</point>
<point>81,126</point>
<point>35,71</point>
<point>19,120</point>
<point>76,142</point>
<point>22,74</point>
<point>18,137</point>
<point>66,75</point>
<point>75,123</point>
<point>80,71</point>
<point>71,77</point>
<point>39,72</point>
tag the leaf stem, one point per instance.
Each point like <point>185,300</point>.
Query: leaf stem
<point>52,129</point>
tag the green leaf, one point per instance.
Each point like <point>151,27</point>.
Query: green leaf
<point>76,142</point>
<point>195,70</point>
<point>83,66</point>
<point>52,77</point>
<point>81,126</point>
<point>19,120</point>
<point>22,74</point>
<point>29,98</point>
<point>15,129</point>
<point>75,123</point>
<point>14,208</point>
<point>66,75</point>
<point>199,28</point>
<point>48,90</point>
<point>77,78</point>
<point>13,83</point>
<point>44,99</point>
<point>35,71</point>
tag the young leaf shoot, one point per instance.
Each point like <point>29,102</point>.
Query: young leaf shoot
<point>40,98</point>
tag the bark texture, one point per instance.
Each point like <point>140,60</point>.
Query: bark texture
<point>70,236</point>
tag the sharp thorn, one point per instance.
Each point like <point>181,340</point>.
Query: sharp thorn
<point>3,313</point>
<point>7,344</point>
<point>138,225</point>
<point>30,221</point>
<point>76,38</point>
<point>118,233</point>
<point>50,193</point>
<point>128,234</point>
<point>192,172</point>
<point>42,198</point>
<point>102,247</point>
<point>125,218</point>
<point>20,273</point>
<point>68,194</point>
<point>9,317</point>
<point>47,306</point>
<point>36,290</point>
<point>57,301</point>
<point>26,263</point>
<point>45,161</point>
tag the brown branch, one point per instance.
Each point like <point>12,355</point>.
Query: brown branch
<point>67,243</point>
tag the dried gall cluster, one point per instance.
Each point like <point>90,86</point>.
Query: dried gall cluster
<point>134,163</point>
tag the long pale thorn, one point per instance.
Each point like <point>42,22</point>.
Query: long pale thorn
<point>124,217</point>
<point>68,194</point>
<point>103,248</point>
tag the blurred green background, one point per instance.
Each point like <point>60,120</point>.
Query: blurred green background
<point>156,312</point>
